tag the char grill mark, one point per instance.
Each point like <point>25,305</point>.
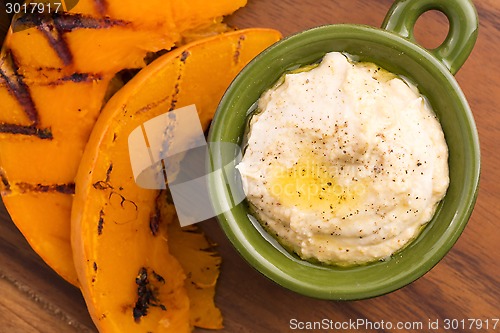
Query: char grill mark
<point>182,61</point>
<point>81,77</point>
<point>22,188</point>
<point>17,87</point>
<point>42,188</point>
<point>56,40</point>
<point>237,51</point>
<point>100,224</point>
<point>4,181</point>
<point>67,22</point>
<point>75,78</point>
<point>41,133</point>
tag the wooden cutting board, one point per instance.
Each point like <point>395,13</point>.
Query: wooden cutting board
<point>463,286</point>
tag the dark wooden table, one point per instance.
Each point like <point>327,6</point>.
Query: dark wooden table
<point>465,285</point>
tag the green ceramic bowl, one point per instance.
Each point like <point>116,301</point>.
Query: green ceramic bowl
<point>394,48</point>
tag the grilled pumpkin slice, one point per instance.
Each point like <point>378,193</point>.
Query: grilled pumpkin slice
<point>55,72</point>
<point>117,231</point>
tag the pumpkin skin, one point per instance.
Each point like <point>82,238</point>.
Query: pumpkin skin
<point>119,229</point>
<point>54,79</point>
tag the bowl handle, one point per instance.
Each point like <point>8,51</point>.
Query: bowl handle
<point>462,34</point>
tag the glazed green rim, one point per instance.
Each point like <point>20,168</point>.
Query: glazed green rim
<point>337,283</point>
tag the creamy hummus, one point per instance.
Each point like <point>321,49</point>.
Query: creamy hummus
<point>345,163</point>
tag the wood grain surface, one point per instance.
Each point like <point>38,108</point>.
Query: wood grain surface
<point>464,285</point>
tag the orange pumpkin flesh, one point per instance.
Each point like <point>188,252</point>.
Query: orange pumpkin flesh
<point>201,264</point>
<point>119,229</point>
<point>54,77</point>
